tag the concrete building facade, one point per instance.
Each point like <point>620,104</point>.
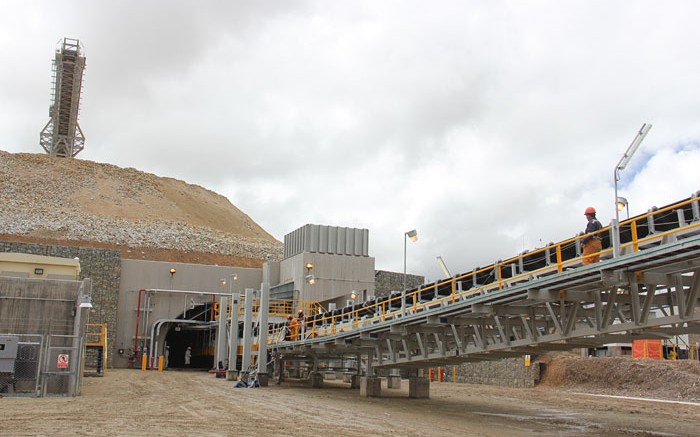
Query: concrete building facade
<point>150,304</point>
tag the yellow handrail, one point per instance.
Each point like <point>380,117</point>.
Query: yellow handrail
<point>335,323</point>
<point>101,340</point>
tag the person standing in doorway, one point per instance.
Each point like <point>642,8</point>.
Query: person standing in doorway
<point>592,244</point>
<point>166,360</point>
<point>188,356</point>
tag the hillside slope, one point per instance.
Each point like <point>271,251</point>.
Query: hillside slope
<point>78,202</point>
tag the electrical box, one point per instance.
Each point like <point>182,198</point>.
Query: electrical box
<point>8,353</point>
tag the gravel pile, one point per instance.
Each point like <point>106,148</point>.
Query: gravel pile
<point>71,199</point>
<point>662,379</point>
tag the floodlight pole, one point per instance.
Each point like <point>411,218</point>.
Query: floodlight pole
<point>616,177</point>
<point>413,235</point>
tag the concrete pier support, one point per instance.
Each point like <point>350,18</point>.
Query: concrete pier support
<point>232,375</point>
<point>418,387</point>
<point>316,379</point>
<point>393,381</point>
<point>370,386</point>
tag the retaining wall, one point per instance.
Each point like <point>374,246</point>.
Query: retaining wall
<point>508,372</point>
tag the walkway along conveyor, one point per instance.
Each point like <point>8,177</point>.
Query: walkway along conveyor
<point>535,302</point>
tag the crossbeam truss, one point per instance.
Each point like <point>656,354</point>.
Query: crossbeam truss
<point>62,135</point>
<point>650,293</point>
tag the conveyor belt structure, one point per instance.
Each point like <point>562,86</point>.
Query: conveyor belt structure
<point>541,300</point>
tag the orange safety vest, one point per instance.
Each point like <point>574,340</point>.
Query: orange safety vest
<point>293,329</point>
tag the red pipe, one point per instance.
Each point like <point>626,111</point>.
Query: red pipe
<point>138,314</point>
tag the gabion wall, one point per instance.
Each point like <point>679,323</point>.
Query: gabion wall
<point>508,372</point>
<point>386,282</point>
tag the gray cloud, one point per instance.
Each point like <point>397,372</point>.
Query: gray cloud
<point>487,127</point>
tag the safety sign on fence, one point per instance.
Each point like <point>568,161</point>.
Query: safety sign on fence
<point>62,362</point>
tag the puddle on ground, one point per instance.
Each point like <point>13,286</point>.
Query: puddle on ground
<point>564,423</point>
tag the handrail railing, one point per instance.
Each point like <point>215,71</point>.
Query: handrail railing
<point>281,307</point>
<point>645,230</point>
<point>97,338</point>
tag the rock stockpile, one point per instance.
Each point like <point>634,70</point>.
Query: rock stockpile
<point>56,199</point>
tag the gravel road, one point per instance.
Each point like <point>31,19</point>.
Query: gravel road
<point>179,403</point>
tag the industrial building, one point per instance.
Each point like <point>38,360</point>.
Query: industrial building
<point>149,307</point>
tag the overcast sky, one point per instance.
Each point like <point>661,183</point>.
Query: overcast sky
<point>487,126</point>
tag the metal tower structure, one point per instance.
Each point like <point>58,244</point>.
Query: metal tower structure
<point>62,135</point>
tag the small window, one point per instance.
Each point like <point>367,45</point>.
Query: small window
<point>38,271</point>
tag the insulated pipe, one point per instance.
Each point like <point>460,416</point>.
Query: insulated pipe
<point>262,328</point>
<point>138,308</point>
<point>233,335</point>
<point>155,331</point>
<point>221,332</point>
<point>145,317</point>
<point>247,331</point>
<point>138,315</point>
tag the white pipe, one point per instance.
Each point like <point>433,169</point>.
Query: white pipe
<point>155,331</point>
<point>189,291</point>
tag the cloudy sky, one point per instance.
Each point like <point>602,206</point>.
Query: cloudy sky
<point>487,126</point>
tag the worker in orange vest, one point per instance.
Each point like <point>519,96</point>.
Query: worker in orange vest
<point>301,321</point>
<point>293,329</point>
<point>592,244</point>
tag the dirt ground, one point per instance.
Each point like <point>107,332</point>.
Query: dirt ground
<point>188,403</point>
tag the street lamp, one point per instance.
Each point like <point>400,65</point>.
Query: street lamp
<point>618,168</point>
<point>413,235</point>
<point>623,204</point>
<point>85,301</point>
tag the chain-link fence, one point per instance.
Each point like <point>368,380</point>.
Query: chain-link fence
<point>61,374</point>
<point>37,365</point>
<point>20,359</point>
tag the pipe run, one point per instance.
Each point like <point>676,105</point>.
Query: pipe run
<point>155,333</point>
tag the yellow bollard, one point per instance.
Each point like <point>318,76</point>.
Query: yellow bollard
<point>161,360</point>
<point>144,361</point>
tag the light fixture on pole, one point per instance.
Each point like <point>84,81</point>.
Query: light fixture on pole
<point>85,301</point>
<point>310,279</point>
<point>413,235</point>
<point>618,168</point>
<point>623,204</point>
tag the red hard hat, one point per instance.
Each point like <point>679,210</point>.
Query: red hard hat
<point>589,210</point>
